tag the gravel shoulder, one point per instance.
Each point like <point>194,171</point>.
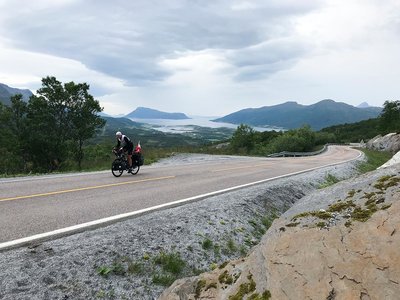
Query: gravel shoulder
<point>129,260</point>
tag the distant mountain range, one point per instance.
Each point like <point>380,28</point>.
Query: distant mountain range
<point>287,115</point>
<point>293,115</point>
<point>7,92</point>
<point>148,113</point>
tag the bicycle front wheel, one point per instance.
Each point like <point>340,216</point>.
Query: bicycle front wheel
<point>117,168</point>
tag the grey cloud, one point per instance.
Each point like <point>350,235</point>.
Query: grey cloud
<point>254,72</point>
<point>126,39</point>
<point>266,58</point>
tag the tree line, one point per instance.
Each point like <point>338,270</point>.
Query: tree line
<point>245,140</point>
<point>50,129</point>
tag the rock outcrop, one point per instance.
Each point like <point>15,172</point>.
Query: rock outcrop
<point>389,142</point>
<point>339,243</point>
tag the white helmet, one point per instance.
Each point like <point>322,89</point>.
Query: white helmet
<point>118,133</point>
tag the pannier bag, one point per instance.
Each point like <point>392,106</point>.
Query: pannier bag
<point>138,157</point>
<point>140,160</point>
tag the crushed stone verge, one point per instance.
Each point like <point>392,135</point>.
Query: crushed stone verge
<point>126,260</point>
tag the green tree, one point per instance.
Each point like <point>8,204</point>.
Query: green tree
<point>308,136</point>
<point>295,140</point>
<point>42,139</point>
<point>12,131</point>
<point>390,117</point>
<point>18,110</point>
<point>6,138</point>
<point>84,118</point>
<point>288,142</point>
<point>18,126</point>
<point>61,118</point>
<point>242,140</point>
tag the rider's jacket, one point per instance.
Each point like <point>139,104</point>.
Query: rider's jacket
<point>124,142</point>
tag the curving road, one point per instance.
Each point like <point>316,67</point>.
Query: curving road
<point>31,206</point>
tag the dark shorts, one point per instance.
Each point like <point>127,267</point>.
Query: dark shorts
<point>129,149</point>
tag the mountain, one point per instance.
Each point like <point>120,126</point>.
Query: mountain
<point>102,114</point>
<point>6,92</point>
<point>148,113</point>
<point>363,105</point>
<point>293,115</point>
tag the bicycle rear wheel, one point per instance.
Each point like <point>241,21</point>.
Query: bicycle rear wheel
<point>135,170</point>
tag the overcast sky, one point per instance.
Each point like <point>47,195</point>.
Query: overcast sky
<point>205,57</point>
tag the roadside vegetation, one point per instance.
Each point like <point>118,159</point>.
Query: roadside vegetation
<point>60,130</point>
<point>374,160</point>
<point>164,266</point>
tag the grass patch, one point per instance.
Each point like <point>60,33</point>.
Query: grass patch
<point>369,195</point>
<point>224,264</point>
<point>116,268</point>
<point>322,214</point>
<point>231,246</point>
<point>351,194</point>
<point>362,215</point>
<point>293,224</point>
<point>163,279</point>
<point>301,215</point>
<point>170,262</point>
<point>386,182</point>
<point>200,285</point>
<point>375,159</point>
<point>170,267</point>
<point>267,220</point>
<point>104,271</point>
<point>329,180</point>
<point>225,278</point>
<point>386,206</point>
<point>258,229</point>
<point>320,224</point>
<point>340,206</point>
<point>244,289</point>
<point>207,244</point>
<point>136,268</point>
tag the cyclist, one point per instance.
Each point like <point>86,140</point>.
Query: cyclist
<point>125,144</point>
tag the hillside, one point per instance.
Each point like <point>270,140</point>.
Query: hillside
<point>148,113</point>
<point>7,92</point>
<point>354,132</point>
<point>150,137</point>
<point>293,115</point>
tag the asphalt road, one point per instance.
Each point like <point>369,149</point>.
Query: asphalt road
<point>35,205</point>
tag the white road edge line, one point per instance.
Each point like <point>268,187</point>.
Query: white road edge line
<point>109,220</point>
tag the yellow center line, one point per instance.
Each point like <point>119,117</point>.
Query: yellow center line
<point>237,168</point>
<point>85,188</point>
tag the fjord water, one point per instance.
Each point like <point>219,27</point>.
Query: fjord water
<point>187,125</point>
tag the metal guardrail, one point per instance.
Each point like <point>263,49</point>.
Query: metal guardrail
<point>299,154</point>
